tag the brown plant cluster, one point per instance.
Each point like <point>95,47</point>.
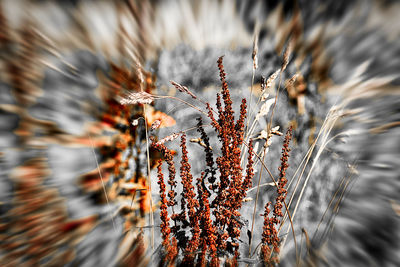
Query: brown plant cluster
<point>208,226</point>
<point>270,239</point>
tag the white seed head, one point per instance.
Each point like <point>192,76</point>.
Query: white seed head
<point>265,108</point>
<point>276,131</point>
<point>168,138</point>
<point>268,84</point>
<point>155,125</point>
<point>137,98</point>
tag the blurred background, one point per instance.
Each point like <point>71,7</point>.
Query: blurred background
<point>75,187</point>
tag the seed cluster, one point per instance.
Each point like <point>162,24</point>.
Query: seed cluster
<point>270,239</point>
<point>209,223</point>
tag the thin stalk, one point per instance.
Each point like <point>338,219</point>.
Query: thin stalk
<point>269,126</point>
<point>148,158</point>
<point>102,181</point>
<point>255,64</point>
<point>326,128</point>
<point>265,184</point>
<point>184,102</point>
<point>149,180</point>
<point>251,93</point>
<point>255,207</point>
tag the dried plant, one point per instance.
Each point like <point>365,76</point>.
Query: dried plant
<point>183,89</point>
<point>77,111</point>
<point>209,223</point>
<point>137,98</point>
<point>270,239</point>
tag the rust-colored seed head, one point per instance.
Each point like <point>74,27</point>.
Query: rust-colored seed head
<point>270,239</point>
<point>168,157</point>
<point>165,230</point>
<point>213,216</point>
<point>282,176</point>
<point>247,182</point>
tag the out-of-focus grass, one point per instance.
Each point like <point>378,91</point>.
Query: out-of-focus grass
<point>346,53</point>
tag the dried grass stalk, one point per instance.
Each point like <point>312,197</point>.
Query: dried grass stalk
<point>265,108</point>
<point>136,98</point>
<point>183,89</point>
<point>168,138</point>
<point>268,84</point>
